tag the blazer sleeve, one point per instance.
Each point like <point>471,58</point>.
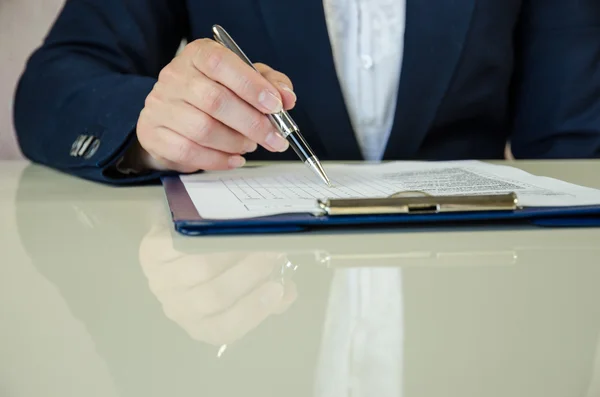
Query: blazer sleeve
<point>79,98</point>
<point>557,90</point>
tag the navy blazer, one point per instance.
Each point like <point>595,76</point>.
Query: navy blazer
<point>476,74</point>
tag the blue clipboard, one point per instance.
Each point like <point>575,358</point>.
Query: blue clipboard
<point>188,221</point>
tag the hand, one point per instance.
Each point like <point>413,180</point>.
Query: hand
<point>217,298</point>
<point>208,108</point>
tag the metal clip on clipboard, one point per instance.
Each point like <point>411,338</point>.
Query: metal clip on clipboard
<point>418,203</point>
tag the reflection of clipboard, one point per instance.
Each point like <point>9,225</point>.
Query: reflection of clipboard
<point>462,248</point>
<point>406,208</point>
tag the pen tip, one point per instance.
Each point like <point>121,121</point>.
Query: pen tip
<point>314,164</point>
<point>325,178</point>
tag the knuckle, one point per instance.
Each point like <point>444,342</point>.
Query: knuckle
<point>184,153</point>
<point>255,123</point>
<point>168,73</point>
<point>142,122</point>
<point>196,86</point>
<point>213,99</point>
<point>152,99</point>
<point>197,51</point>
<point>246,85</point>
<point>204,42</point>
<point>258,124</point>
<point>241,144</point>
<point>203,127</point>
<point>144,129</point>
<point>158,95</point>
<point>210,58</point>
<point>213,60</point>
<point>143,115</point>
<point>193,47</point>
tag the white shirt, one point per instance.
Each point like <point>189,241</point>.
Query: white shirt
<point>367,40</point>
<point>362,345</point>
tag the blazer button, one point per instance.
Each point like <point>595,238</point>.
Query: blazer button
<point>85,145</point>
<point>93,148</point>
<point>76,146</point>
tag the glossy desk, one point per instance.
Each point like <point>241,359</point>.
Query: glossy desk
<point>98,297</point>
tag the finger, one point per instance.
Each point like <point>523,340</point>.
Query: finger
<point>223,66</point>
<point>204,130</point>
<point>171,271</point>
<point>240,319</point>
<point>281,82</point>
<point>182,268</point>
<point>223,105</point>
<point>181,154</point>
<point>224,290</point>
<point>173,283</point>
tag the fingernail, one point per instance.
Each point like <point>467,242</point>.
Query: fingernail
<point>287,88</point>
<point>270,101</point>
<point>277,142</point>
<point>236,161</point>
<point>273,295</point>
<point>250,147</point>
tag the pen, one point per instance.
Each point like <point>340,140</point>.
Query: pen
<point>282,120</point>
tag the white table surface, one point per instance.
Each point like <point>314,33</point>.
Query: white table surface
<point>99,297</point>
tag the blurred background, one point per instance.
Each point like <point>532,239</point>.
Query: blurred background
<point>23,25</point>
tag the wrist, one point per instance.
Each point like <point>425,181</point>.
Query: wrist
<point>137,160</point>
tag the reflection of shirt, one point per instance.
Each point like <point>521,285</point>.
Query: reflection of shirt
<point>367,38</point>
<point>362,343</point>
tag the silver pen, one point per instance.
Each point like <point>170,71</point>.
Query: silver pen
<point>282,120</point>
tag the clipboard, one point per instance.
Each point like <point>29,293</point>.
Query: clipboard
<point>416,202</point>
<point>402,209</point>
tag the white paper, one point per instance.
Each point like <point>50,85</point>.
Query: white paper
<point>292,188</point>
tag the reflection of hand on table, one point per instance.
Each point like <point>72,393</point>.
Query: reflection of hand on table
<point>216,298</point>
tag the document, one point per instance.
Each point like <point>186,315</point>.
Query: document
<point>292,188</point>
